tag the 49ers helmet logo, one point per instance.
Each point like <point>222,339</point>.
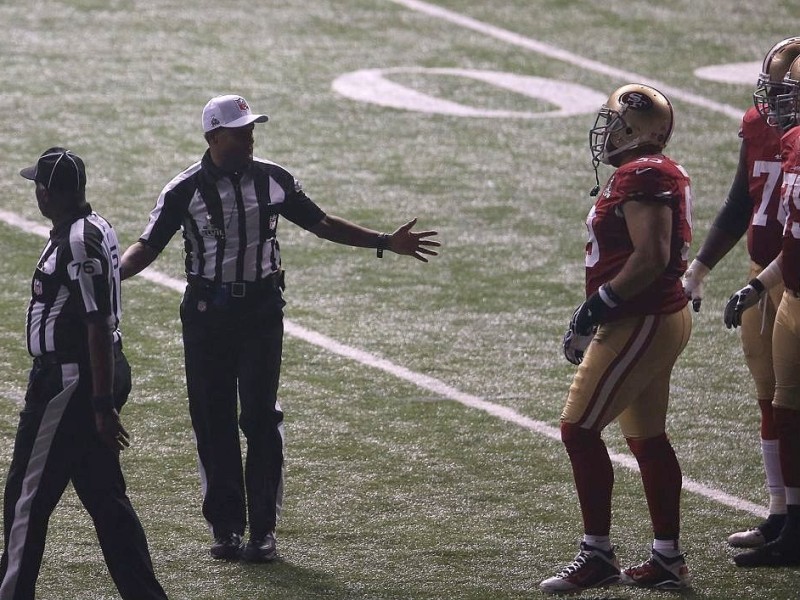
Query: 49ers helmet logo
<point>636,101</point>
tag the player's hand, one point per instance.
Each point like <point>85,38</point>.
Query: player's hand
<point>594,311</point>
<point>739,302</point>
<point>413,243</point>
<point>581,322</point>
<point>110,429</point>
<point>575,345</point>
<point>693,283</point>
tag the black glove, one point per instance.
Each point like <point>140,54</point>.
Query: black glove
<point>594,311</point>
<point>739,302</point>
<point>575,345</point>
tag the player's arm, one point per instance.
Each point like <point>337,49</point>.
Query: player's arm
<point>649,226</point>
<point>729,226</point>
<point>732,220</point>
<point>136,258</point>
<point>401,241</point>
<point>101,358</point>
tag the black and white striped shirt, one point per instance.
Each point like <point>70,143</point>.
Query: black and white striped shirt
<point>77,276</point>
<point>229,221</point>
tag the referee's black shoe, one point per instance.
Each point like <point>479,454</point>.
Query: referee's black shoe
<point>261,549</point>
<point>226,547</point>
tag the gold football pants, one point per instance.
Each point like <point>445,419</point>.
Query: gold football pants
<point>626,372</point>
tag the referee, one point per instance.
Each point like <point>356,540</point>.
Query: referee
<point>69,429</point>
<point>228,205</point>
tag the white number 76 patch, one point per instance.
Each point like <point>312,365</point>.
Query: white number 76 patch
<point>90,267</point>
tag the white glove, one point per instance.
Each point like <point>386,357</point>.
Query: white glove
<point>575,345</point>
<point>739,302</point>
<point>693,283</point>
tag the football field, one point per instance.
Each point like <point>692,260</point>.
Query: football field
<point>422,400</point>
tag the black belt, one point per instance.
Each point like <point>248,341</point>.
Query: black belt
<point>48,359</point>
<point>237,289</point>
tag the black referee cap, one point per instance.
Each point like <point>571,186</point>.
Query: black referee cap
<point>59,169</point>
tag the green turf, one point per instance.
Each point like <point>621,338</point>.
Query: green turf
<point>393,491</point>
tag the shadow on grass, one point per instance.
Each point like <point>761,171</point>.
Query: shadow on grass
<point>287,580</point>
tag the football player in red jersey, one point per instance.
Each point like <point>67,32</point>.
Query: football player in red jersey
<point>753,206</point>
<point>782,103</point>
<point>626,338</point>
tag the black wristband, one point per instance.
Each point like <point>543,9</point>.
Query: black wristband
<point>609,296</point>
<point>756,284</point>
<point>103,403</point>
<point>383,243</point>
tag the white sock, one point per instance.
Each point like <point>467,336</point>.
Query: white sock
<point>793,495</point>
<point>772,469</point>
<point>601,542</point>
<point>668,548</point>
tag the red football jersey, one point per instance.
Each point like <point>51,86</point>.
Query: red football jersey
<point>790,195</point>
<point>762,146</point>
<point>656,178</point>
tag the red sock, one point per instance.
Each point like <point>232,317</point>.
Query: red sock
<point>662,480</point>
<point>594,476</point>
<point>787,422</point>
<point>769,430</point>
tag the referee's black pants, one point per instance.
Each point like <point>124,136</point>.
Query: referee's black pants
<point>57,443</point>
<point>233,346</point>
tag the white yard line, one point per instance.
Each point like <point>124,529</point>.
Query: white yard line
<point>527,43</point>
<point>423,381</point>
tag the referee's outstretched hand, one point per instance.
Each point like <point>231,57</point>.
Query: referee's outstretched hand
<point>110,429</point>
<point>413,243</point>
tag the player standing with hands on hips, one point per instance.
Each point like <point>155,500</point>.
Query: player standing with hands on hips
<point>228,205</point>
<point>626,337</point>
<point>69,428</point>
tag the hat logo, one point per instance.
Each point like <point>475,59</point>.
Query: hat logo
<point>214,121</point>
<point>242,104</point>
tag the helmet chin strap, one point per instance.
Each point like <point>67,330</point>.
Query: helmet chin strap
<point>596,189</point>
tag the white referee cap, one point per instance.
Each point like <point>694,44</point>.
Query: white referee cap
<point>229,111</point>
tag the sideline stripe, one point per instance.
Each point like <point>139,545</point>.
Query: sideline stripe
<point>423,381</point>
<point>516,39</point>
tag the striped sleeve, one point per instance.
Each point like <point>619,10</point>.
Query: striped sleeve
<point>168,213</point>
<point>296,206</point>
<point>88,269</point>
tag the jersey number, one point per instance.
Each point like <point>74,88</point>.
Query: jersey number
<point>791,193</point>
<point>592,247</point>
<point>89,267</point>
<point>772,170</point>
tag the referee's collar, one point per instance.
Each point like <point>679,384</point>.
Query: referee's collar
<point>81,212</point>
<point>215,173</point>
